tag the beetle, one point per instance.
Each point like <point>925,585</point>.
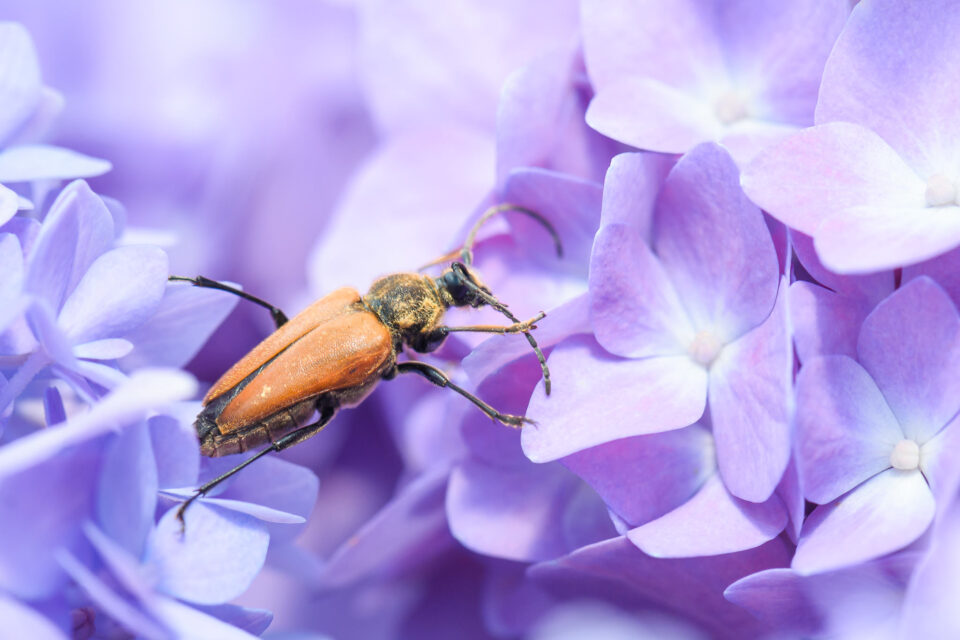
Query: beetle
<point>333,353</point>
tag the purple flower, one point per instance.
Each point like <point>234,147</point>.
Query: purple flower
<point>671,74</point>
<point>872,434</point>
<point>874,181</point>
<point>695,312</point>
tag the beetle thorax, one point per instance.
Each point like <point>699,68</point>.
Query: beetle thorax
<point>409,304</point>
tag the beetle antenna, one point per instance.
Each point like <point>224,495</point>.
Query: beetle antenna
<point>502,308</point>
<point>466,253</point>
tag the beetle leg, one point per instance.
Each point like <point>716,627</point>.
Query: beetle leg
<point>439,378</point>
<point>279,317</point>
<point>288,440</point>
<point>517,327</point>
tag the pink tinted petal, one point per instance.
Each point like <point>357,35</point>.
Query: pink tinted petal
<point>509,513</point>
<point>824,322</point>
<point>746,138</point>
<point>214,560</point>
<point>639,397</point>
<point>625,38</point>
<point>714,244</point>
<point>422,62</point>
<point>431,180</point>
<point>644,477</point>
<point>884,514</point>
<point>907,93</point>
<point>750,402</point>
<point>20,85</point>
<point>689,587</point>
<point>634,308</point>
<point>120,290</point>
<point>572,206</point>
<point>910,344</point>
<point>630,190</point>
<point>845,429</point>
<point>786,70</point>
<point>870,238</point>
<point>44,162</point>
<point>872,287</point>
<point>180,325</point>
<point>819,173</point>
<point>649,114</point>
<point>712,522</point>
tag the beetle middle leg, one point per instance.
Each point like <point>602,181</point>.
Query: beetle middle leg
<point>279,317</point>
<point>292,438</point>
<point>439,378</point>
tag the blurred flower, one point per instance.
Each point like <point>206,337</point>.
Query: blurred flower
<point>874,182</point>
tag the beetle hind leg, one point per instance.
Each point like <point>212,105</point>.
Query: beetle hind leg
<point>439,378</point>
<point>279,317</point>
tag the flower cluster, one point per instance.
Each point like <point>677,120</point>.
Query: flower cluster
<point>752,333</point>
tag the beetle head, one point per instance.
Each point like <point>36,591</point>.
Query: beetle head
<point>462,287</point>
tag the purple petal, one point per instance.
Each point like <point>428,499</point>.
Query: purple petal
<point>509,513</point>
<point>634,308</point>
<point>872,287</point>
<point>76,231</point>
<point>215,558</point>
<point>750,402</point>
<point>821,172</point>
<point>124,566</point>
<point>640,396</point>
<point>644,477</point>
<point>824,322</point>
<point>176,449</point>
<point>630,190</point>
<point>845,429</point>
<point>727,278</point>
<point>572,205</point>
<point>144,390</point>
<point>127,496</point>
<point>20,84</point>
<point>44,162</point>
<point>11,266</point>
<point>120,290</point>
<point>910,344</point>
<point>173,335</point>
<point>42,321</point>
<point>253,621</point>
<point>884,514</point>
<point>9,204</point>
<point>898,92</point>
<point>191,624</point>
<point>944,270</point>
<point>791,493</point>
<point>19,620</point>
<point>258,511</point>
<point>511,603</point>
<point>649,114</point>
<point>712,522</point>
<point>104,349</point>
<point>940,461</point>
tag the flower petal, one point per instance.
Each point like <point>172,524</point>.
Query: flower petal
<point>634,308</point>
<point>20,84</point>
<point>714,244</point>
<point>750,403</point>
<point>639,397</point>
<point>824,322</point>
<point>44,162</point>
<point>630,190</point>
<point>712,522</point>
<point>105,349</point>
<point>176,449</point>
<point>21,621</point>
<point>886,513</point>
<point>821,172</point>
<point>127,495</point>
<point>910,344</point>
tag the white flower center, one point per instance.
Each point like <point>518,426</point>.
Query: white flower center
<point>705,347</point>
<point>905,456</point>
<point>941,191</point>
<point>729,108</point>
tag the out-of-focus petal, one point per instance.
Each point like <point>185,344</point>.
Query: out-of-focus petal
<point>103,349</point>
<point>825,323</point>
<point>11,266</point>
<point>910,345</point>
<point>639,397</point>
<point>712,522</point>
<point>821,172</point>
<point>644,477</point>
<point>20,84</point>
<point>750,399</point>
<point>120,290</point>
<point>845,429</point>
<point>714,244</point>
<point>9,204</point>
<point>509,513</point>
<point>634,308</point>
<point>175,332</point>
<point>253,621</point>
<point>885,513</point>
<point>176,449</point>
<point>127,496</point>
<point>44,162</point>
<point>20,621</point>
<point>213,560</point>
<point>631,188</point>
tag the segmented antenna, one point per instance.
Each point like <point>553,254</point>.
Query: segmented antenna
<point>466,253</point>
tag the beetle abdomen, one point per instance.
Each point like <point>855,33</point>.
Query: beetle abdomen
<point>254,435</point>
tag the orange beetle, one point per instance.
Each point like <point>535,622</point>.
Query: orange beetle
<point>333,353</point>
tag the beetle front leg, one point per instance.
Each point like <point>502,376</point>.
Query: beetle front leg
<point>439,378</point>
<point>517,327</point>
<point>279,317</point>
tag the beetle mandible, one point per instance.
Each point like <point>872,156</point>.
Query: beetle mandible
<point>333,353</point>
